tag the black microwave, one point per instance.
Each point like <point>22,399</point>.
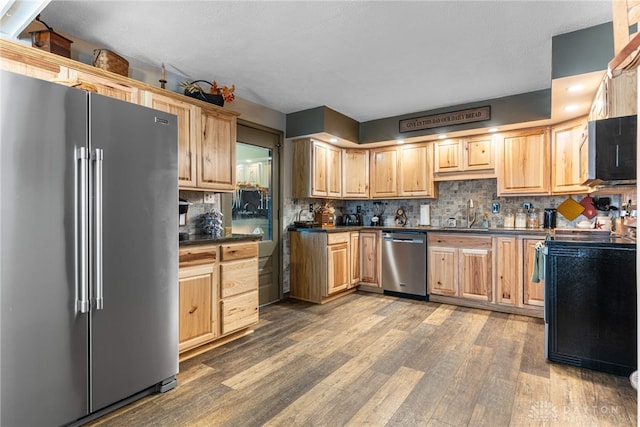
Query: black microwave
<point>612,151</point>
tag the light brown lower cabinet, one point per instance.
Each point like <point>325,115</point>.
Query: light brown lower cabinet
<point>198,323</point>
<point>369,259</point>
<point>491,272</point>
<point>218,294</point>
<point>321,265</point>
<point>459,265</point>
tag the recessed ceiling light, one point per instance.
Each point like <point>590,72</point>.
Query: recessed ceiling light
<point>333,140</point>
<point>570,108</point>
<point>492,130</point>
<point>248,160</point>
<point>442,136</point>
<point>575,88</point>
<point>400,141</point>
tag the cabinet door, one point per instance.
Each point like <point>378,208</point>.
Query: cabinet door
<point>320,182</point>
<point>31,66</point>
<point>107,87</point>
<point>354,259</point>
<point>583,153</point>
<point>370,258</point>
<point>187,133</point>
<point>447,156</point>
<point>475,274</point>
<point>533,293</point>
<point>506,270</point>
<point>239,311</point>
<point>443,271</point>
<point>217,151</point>
<point>338,270</point>
<point>414,171</point>
<point>197,318</point>
<point>566,158</point>
<point>478,153</point>
<point>384,166</point>
<point>334,171</point>
<point>355,174</point>
<point>525,164</point>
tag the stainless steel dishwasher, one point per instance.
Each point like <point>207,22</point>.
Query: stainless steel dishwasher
<point>404,264</point>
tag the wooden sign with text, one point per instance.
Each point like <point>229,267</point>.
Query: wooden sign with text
<point>446,119</point>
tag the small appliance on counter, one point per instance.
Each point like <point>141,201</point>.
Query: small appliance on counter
<point>351,219</point>
<point>378,214</point>
<point>549,220</point>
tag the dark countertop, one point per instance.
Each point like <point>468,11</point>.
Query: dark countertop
<point>476,230</point>
<point>201,239</point>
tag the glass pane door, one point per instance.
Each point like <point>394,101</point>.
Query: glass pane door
<point>252,208</point>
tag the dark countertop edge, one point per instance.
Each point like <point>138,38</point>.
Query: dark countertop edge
<point>202,239</point>
<point>614,242</point>
<point>425,229</point>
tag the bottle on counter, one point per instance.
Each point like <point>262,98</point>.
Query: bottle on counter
<point>532,219</point>
<point>509,219</point>
<point>521,218</point>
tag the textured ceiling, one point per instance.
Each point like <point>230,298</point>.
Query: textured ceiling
<point>367,60</point>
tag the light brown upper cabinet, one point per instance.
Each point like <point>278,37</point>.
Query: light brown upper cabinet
<point>616,96</point>
<point>188,115</point>
<point>524,163</point>
<point>415,171</point>
<point>29,62</point>
<point>464,158</point>
<point>565,154</point>
<point>317,169</point>
<point>216,151</point>
<point>402,171</point>
<point>107,86</point>
<point>384,172</point>
<point>355,174</point>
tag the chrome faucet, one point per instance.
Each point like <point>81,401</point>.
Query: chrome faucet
<point>471,210</point>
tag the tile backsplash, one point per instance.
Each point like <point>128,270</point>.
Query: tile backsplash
<point>197,207</point>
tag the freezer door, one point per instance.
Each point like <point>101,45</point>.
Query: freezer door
<point>134,336</point>
<point>43,339</point>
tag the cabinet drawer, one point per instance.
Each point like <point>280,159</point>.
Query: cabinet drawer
<point>238,251</point>
<point>333,238</point>
<point>238,277</point>
<point>239,311</point>
<point>197,255</point>
<point>455,240</point>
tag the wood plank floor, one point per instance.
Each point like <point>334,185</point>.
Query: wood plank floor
<point>373,360</point>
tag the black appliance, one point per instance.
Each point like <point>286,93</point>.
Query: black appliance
<point>611,151</point>
<point>351,219</point>
<point>590,305</point>
<point>549,220</point>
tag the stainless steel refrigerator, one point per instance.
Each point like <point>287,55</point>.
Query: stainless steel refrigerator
<point>88,249</point>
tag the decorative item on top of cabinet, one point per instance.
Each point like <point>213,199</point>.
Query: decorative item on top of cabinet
<point>188,115</point>
<point>464,158</point>
<point>566,157</point>
<point>524,163</point>
<point>317,169</point>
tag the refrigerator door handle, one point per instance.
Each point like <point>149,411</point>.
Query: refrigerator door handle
<point>99,155</point>
<point>82,278</point>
